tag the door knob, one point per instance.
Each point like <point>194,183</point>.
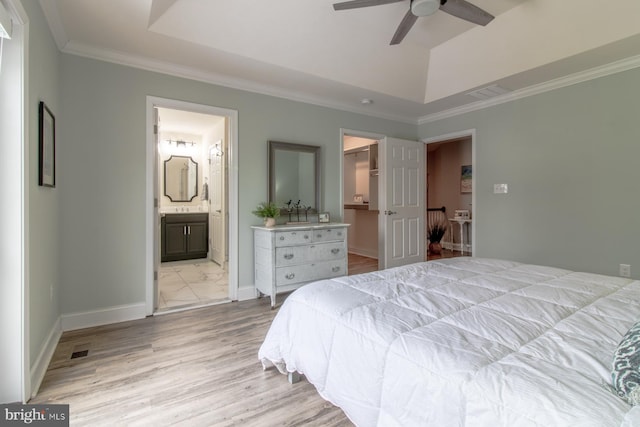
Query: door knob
<point>390,212</point>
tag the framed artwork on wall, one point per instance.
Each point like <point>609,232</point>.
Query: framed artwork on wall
<point>465,179</point>
<point>47,157</point>
<point>323,217</point>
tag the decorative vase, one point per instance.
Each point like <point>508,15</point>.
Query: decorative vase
<point>435,248</point>
<point>269,222</point>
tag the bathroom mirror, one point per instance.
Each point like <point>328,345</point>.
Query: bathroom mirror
<point>180,178</point>
<point>294,175</point>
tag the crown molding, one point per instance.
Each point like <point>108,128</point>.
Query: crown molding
<point>135,61</point>
<point>52,16</point>
<point>572,79</point>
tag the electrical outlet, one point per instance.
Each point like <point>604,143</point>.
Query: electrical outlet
<point>625,270</point>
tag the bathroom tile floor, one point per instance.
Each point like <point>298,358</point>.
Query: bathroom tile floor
<point>191,283</point>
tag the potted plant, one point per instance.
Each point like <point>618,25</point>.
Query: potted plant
<point>435,233</point>
<point>269,211</point>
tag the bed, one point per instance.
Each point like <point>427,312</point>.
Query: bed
<point>461,342</point>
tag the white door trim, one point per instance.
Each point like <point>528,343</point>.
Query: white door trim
<point>462,134</point>
<point>16,367</point>
<point>151,242</point>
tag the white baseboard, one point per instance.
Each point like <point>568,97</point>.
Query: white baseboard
<point>247,293</point>
<point>455,246</point>
<point>105,316</point>
<point>364,252</point>
<point>39,368</point>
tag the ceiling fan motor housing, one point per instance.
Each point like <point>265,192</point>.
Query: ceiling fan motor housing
<point>424,7</point>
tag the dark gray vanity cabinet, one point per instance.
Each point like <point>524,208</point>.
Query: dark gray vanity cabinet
<point>184,236</point>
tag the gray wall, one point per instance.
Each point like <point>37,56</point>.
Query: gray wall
<point>102,169</point>
<point>44,208</point>
<point>569,158</point>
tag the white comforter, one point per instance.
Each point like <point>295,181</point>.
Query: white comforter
<point>462,341</point>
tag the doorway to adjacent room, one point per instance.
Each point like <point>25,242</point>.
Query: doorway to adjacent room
<point>194,260</point>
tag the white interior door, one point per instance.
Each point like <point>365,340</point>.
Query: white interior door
<point>216,204</point>
<point>402,202</point>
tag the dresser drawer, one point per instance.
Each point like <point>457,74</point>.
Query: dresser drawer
<point>329,234</point>
<point>327,251</point>
<point>326,270</point>
<point>292,255</point>
<point>288,238</point>
<point>294,274</point>
<point>309,272</point>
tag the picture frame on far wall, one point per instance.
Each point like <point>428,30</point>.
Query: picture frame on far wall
<point>47,157</point>
<point>323,217</point>
<point>466,175</point>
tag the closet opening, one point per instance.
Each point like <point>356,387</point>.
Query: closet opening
<point>360,196</point>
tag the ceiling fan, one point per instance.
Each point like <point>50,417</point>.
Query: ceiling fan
<point>460,8</point>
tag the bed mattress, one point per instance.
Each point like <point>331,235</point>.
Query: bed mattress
<point>460,342</point>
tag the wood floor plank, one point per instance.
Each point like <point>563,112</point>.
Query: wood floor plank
<point>191,368</point>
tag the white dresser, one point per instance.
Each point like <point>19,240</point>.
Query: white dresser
<point>288,256</point>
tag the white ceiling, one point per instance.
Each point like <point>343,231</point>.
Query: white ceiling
<point>304,50</point>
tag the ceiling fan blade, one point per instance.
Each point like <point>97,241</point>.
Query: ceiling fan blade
<point>467,11</point>
<point>354,4</point>
<point>404,27</point>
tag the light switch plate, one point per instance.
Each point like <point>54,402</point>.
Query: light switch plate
<point>500,188</point>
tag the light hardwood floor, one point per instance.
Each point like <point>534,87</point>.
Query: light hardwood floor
<point>362,264</point>
<point>192,368</point>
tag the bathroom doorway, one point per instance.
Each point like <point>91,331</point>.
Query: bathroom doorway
<point>192,187</point>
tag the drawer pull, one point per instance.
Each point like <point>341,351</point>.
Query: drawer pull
<point>335,251</point>
<point>281,237</point>
<point>335,269</point>
<point>306,236</point>
<point>288,256</point>
<point>290,276</point>
<point>340,233</point>
<point>319,235</point>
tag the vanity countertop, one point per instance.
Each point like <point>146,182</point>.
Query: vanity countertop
<point>183,210</point>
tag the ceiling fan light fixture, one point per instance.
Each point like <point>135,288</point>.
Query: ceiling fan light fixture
<point>424,7</point>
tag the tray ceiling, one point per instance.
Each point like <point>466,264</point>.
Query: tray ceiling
<point>304,50</point>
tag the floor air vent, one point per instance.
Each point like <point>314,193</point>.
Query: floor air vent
<point>77,354</point>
